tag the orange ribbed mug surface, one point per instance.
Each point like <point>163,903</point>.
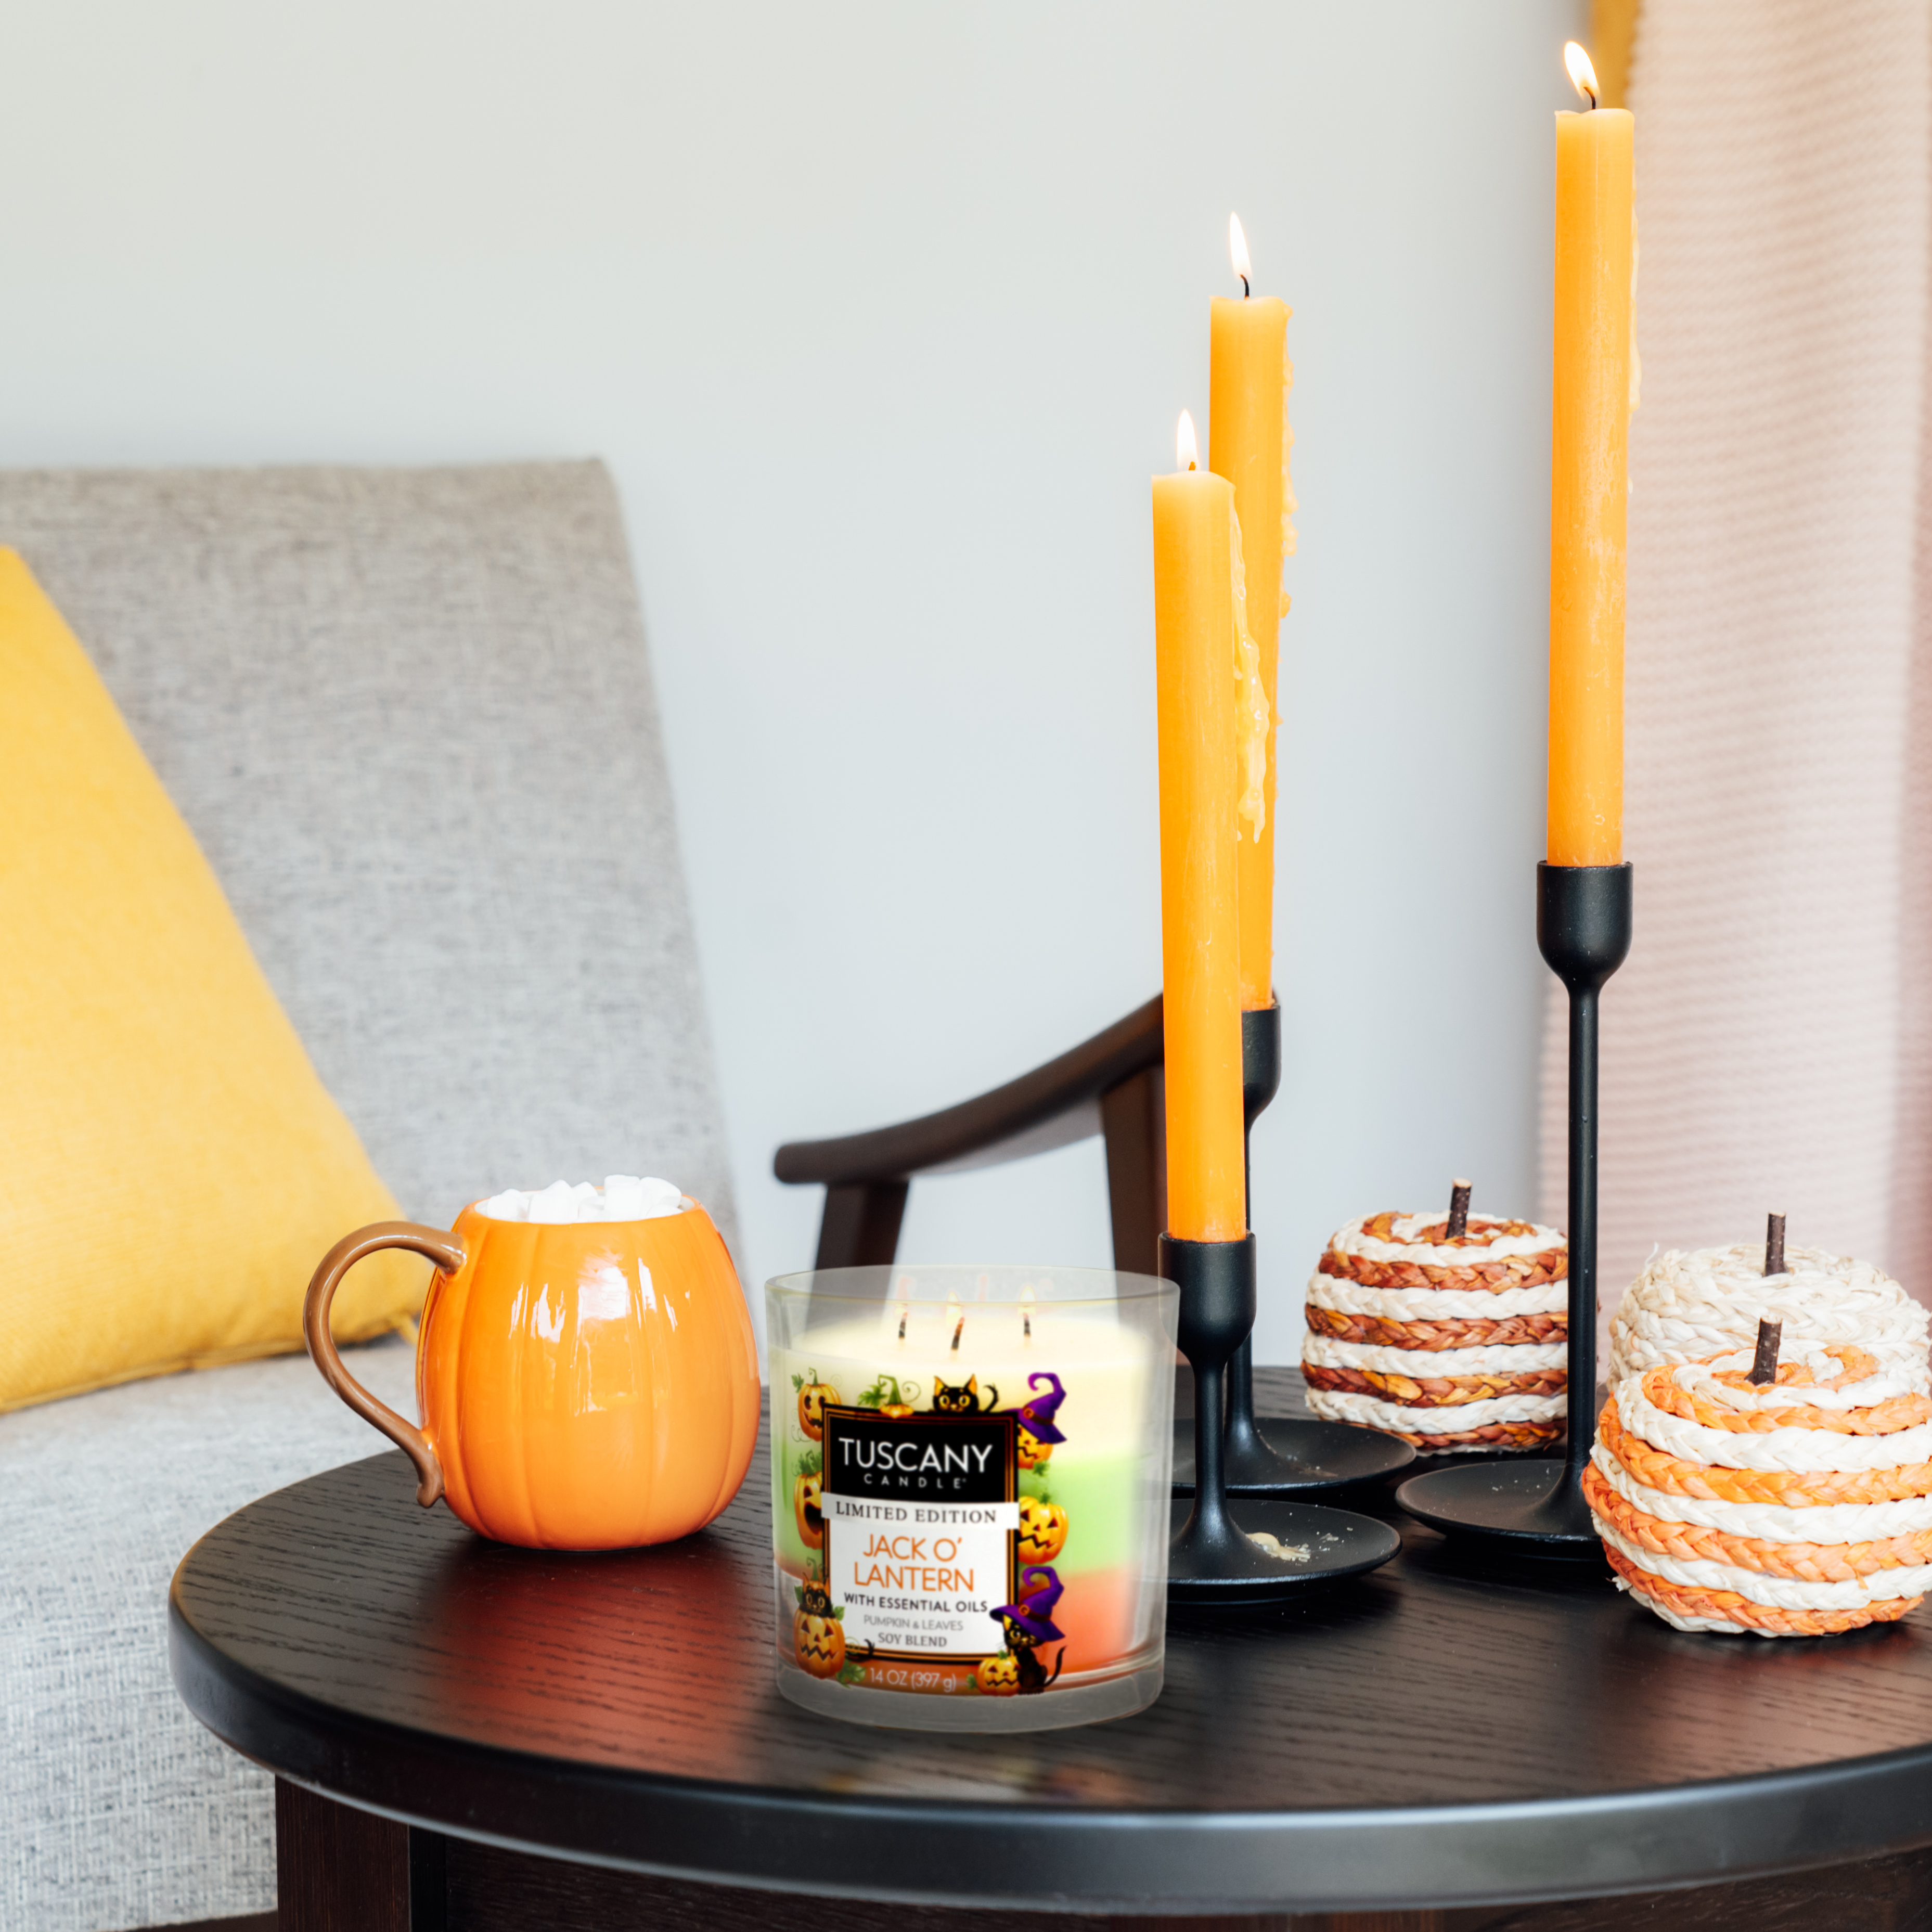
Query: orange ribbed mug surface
<point>584,1385</point>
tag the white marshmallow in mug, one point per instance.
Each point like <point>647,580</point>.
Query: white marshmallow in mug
<point>623,1197</point>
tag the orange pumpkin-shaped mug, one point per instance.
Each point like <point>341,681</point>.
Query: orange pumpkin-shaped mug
<point>587,1384</point>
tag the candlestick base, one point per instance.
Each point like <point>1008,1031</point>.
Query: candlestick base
<point>1529,1505</point>
<point>1320,1546</point>
<point>1583,923</point>
<point>1214,1559</point>
<point>1297,1457</point>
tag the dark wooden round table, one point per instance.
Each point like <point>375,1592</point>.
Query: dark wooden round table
<point>1444,1731</point>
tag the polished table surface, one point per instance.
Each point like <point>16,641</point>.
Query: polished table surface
<point>1444,1730</point>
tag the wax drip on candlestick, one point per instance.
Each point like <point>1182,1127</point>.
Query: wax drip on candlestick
<point>1764,1364</point>
<point>1459,1211</point>
<point>1237,247</point>
<point>1582,73</point>
<point>1774,1245</point>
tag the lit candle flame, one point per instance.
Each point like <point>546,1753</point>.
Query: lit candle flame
<point>1582,75</point>
<point>1237,247</point>
<point>1186,450</point>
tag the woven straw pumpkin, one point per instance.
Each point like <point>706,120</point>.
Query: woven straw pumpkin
<point>1686,1306</point>
<point>1449,1342</point>
<point>1794,1509</point>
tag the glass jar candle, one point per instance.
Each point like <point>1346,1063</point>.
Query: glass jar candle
<point>970,1472</point>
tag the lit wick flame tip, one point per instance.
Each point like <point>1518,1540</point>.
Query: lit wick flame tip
<point>1582,75</point>
<point>1237,247</point>
<point>1187,450</point>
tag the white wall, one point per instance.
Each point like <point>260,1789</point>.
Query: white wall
<point>883,315</point>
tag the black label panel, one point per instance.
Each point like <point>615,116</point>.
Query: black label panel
<point>929,1457</point>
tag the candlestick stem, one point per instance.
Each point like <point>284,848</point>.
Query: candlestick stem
<point>1278,1456</point>
<point>1251,1461</point>
<point>1583,922</point>
<point>1213,1558</point>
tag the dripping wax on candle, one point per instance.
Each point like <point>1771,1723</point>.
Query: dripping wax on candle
<point>1249,439</point>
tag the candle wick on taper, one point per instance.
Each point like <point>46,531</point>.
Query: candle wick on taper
<point>1582,73</point>
<point>1237,251</point>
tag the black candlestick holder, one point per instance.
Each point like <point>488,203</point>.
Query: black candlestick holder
<point>1536,1505</point>
<point>1281,1456</point>
<point>1214,1559</point>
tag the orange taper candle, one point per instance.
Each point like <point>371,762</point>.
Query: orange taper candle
<point>1248,443</point>
<point>1195,653</point>
<point>1589,490</point>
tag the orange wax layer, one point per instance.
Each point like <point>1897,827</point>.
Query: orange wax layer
<point>1247,443</point>
<point>1194,644</point>
<point>1589,491</point>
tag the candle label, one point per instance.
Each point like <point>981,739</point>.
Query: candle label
<point>922,1517</point>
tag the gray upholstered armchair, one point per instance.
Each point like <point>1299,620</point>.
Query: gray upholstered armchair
<point>408,716</point>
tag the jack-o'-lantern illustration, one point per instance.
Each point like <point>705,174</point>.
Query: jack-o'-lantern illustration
<point>813,1395</point>
<point>1042,1530</point>
<point>999,1676</point>
<point>818,1638</point>
<point>1032,1453</point>
<point>807,1508</point>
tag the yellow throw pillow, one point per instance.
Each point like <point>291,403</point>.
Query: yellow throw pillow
<point>171,1168</point>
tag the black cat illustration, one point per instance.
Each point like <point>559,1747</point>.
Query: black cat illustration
<point>963,1399</point>
<point>1029,1623</point>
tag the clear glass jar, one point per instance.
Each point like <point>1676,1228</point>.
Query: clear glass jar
<point>970,1472</point>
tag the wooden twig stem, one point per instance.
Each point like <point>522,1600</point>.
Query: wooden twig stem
<point>1764,1368</point>
<point>1458,1211</point>
<point>1774,1245</point>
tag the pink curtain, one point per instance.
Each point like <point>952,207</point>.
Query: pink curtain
<point>1769,1044</point>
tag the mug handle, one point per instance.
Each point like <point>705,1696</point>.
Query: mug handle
<point>442,1248</point>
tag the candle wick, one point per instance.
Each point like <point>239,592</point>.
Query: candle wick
<point>903,1313</point>
<point>1592,93</point>
<point>1244,288</point>
<point>958,1331</point>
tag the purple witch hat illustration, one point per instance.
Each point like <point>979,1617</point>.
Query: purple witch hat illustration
<point>1031,1619</point>
<point>1037,1412</point>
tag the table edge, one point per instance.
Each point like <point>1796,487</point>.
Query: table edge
<point>927,1851</point>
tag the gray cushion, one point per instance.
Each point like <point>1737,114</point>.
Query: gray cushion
<point>116,1808</point>
<point>408,716</point>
